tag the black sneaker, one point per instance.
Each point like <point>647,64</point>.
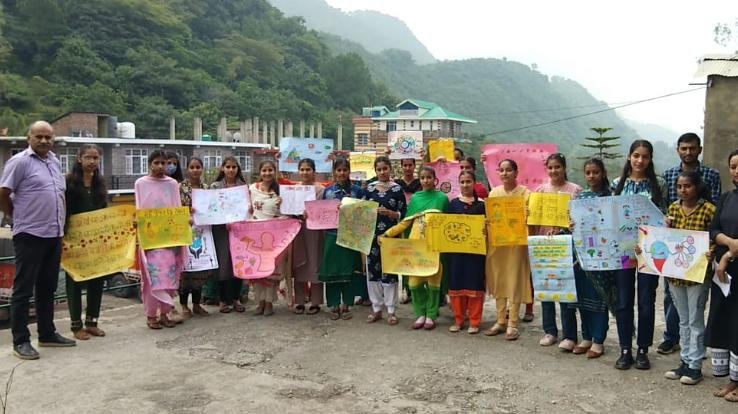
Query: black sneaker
<point>625,361</point>
<point>25,351</point>
<point>56,340</point>
<point>641,360</point>
<point>677,373</point>
<point>667,347</point>
<point>691,376</point>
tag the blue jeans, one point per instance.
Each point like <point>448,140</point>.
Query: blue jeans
<point>625,283</point>
<point>568,320</point>
<point>594,325</point>
<point>690,302</point>
<point>671,316</point>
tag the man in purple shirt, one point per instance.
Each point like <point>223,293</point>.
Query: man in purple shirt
<point>32,193</point>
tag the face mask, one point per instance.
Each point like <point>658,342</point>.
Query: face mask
<point>171,168</point>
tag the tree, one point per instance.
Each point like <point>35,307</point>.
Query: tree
<point>602,144</point>
<point>725,33</point>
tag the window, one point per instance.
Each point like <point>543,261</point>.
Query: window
<point>412,124</point>
<point>212,158</point>
<point>362,139</point>
<point>14,151</point>
<point>182,159</point>
<point>67,158</point>
<point>391,126</point>
<point>137,162</point>
<point>244,160</point>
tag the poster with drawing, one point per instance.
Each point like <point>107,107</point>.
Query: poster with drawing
<point>405,144</point>
<point>674,253</point>
<point>220,206</point>
<point>549,209</point>
<point>163,227</point>
<point>408,257</point>
<point>447,174</point>
<point>455,233</point>
<point>257,245</point>
<point>357,220</point>
<point>551,267</point>
<point>530,157</point>
<point>362,165</point>
<point>506,221</point>
<point>292,150</point>
<point>606,229</point>
<point>201,253</point>
<point>294,198</point>
<point>322,214</point>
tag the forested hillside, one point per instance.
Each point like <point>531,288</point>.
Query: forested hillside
<point>148,60</point>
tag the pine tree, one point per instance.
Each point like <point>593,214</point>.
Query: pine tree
<point>602,143</point>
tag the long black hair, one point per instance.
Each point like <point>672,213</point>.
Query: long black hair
<point>696,180</point>
<point>338,163</point>
<point>275,184</point>
<point>561,159</point>
<point>474,180</point>
<point>177,175</point>
<point>75,179</point>
<point>603,187</point>
<point>656,195</point>
<point>221,173</point>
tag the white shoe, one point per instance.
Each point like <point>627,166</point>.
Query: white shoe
<point>548,340</point>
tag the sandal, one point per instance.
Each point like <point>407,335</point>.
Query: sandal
<point>186,313</point>
<point>454,328</point>
<point>346,313</point>
<point>419,323</point>
<point>298,309</point>
<point>81,334</point>
<point>313,309</point>
<point>528,317</point>
<point>238,307</point>
<point>153,323</point>
<point>225,308</point>
<point>495,330</point>
<point>392,319</point>
<point>373,317</point>
<point>94,331</point>
<point>260,308</point>
<point>725,390</point>
<point>166,322</point>
<point>334,314</point>
<point>199,310</point>
<point>429,324</point>
<point>732,396</point>
<point>512,334</point>
<point>473,330</point>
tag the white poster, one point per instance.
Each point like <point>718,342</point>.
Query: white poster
<point>201,253</point>
<point>294,198</point>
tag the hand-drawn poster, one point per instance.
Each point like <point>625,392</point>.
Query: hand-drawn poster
<point>294,198</point>
<point>164,227</point>
<point>455,233</point>
<point>441,148</point>
<point>356,223</point>
<point>220,206</point>
<point>674,253</point>
<point>549,209</point>
<point>606,229</point>
<point>322,214</point>
<point>201,253</point>
<point>362,165</point>
<point>257,245</point>
<point>408,257</point>
<point>99,243</point>
<point>530,158</point>
<point>506,221</point>
<point>447,174</point>
<point>551,265</point>
<point>405,144</point>
<point>292,150</point>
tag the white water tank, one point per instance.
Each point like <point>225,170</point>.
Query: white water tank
<point>126,130</point>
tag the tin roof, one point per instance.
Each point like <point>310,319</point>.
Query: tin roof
<point>723,65</point>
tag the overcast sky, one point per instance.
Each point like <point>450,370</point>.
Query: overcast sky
<point>620,51</point>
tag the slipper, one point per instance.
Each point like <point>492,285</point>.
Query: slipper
<point>313,309</point>
<point>298,309</point>
<point>429,324</point>
<point>578,350</point>
<point>239,307</point>
<point>225,309</point>
<point>419,323</point>
<point>528,317</point>
<point>373,317</point>
<point>724,390</point>
<point>473,330</point>
<point>334,314</point>
<point>392,319</point>
<point>593,354</point>
<point>153,323</point>
<point>732,396</point>
<point>512,334</point>
<point>454,328</point>
<point>496,329</point>
<point>346,313</point>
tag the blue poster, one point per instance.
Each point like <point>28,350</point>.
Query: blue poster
<point>606,229</point>
<point>292,150</point>
<point>551,264</point>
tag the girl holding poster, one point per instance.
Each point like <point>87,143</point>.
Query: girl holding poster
<point>265,202</point>
<point>466,271</point>
<point>508,267</point>
<point>383,287</point>
<point>192,282</point>
<point>558,183</point>
<point>161,268</point>
<point>85,192</point>
<point>307,250</point>
<point>341,268</point>
<point>638,177</point>
<point>425,291</point>
<point>229,286</point>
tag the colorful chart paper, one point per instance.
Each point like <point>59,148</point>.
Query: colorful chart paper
<point>201,253</point>
<point>405,144</point>
<point>322,214</point>
<point>441,148</point>
<point>99,243</point>
<point>362,165</point>
<point>606,229</point>
<point>530,158</point>
<point>220,206</point>
<point>447,174</point>
<point>455,233</point>
<point>408,257</point>
<point>292,150</point>
<point>257,245</point>
<point>164,227</point>
<point>357,220</point>
<point>506,221</point>
<point>549,209</point>
<point>551,265</point>
<point>294,198</point>
<point>675,253</point>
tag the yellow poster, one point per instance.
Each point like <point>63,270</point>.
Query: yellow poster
<point>443,147</point>
<point>408,257</point>
<point>506,221</point>
<point>99,243</point>
<point>164,227</point>
<point>362,165</point>
<point>549,209</point>
<point>455,233</point>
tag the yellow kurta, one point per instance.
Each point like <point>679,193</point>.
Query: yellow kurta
<point>508,268</point>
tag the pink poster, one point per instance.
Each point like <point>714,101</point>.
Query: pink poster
<point>530,158</point>
<point>447,174</point>
<point>256,245</point>
<point>322,214</point>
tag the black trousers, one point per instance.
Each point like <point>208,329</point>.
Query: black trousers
<point>36,271</point>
